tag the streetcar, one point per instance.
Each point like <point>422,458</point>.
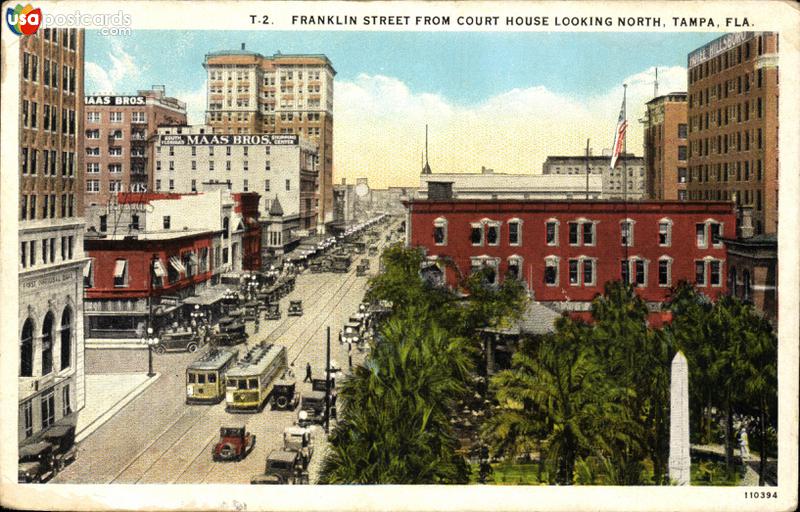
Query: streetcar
<point>248,385</point>
<point>205,378</point>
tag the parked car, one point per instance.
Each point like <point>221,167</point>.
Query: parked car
<point>284,395</point>
<point>281,467</point>
<point>295,308</point>
<point>273,311</point>
<point>36,463</point>
<point>312,409</point>
<point>365,262</point>
<point>235,443</point>
<point>361,270</point>
<point>231,332</point>
<point>184,340</point>
<point>62,438</point>
<point>300,440</point>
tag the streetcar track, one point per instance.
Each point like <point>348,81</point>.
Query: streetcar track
<point>203,449</point>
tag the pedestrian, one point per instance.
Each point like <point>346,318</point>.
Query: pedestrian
<point>308,373</point>
<point>743,444</point>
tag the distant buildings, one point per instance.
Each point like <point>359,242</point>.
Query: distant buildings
<point>51,259</point>
<point>488,184</point>
<point>565,251</point>
<point>665,147</point>
<point>612,180</point>
<point>733,124</point>
<point>358,202</point>
<point>118,138</point>
<point>279,94</point>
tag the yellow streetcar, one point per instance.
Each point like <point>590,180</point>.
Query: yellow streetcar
<point>205,378</point>
<point>248,385</point>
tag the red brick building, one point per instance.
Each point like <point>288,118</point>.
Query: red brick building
<point>565,251</point>
<point>665,147</point>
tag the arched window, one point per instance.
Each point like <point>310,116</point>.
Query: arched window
<point>47,344</point>
<point>26,350</point>
<point>66,338</point>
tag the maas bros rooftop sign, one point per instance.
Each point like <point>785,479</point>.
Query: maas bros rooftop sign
<point>115,101</point>
<point>203,139</point>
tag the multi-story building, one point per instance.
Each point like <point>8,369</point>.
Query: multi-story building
<point>488,184</point>
<point>51,259</point>
<point>565,251</point>
<point>162,235</point>
<point>665,147</point>
<point>284,94</point>
<point>733,124</point>
<point>118,138</point>
<point>612,180</point>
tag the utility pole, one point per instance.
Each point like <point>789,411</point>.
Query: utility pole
<point>328,380</point>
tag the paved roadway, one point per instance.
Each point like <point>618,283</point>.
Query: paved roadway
<point>158,438</point>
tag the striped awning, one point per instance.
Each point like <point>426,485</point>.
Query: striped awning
<point>119,268</point>
<point>176,264</point>
<point>158,268</point>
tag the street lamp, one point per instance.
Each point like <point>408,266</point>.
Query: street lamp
<point>151,341</point>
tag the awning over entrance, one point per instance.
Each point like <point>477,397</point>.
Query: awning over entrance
<point>207,297</point>
<point>176,264</point>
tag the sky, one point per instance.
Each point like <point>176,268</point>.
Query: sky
<point>501,100</point>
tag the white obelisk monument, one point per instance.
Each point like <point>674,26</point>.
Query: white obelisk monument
<point>679,462</point>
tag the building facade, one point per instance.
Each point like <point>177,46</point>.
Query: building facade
<point>733,124</point>
<point>118,140</point>
<point>51,259</point>
<point>565,251</point>
<point>494,185</point>
<point>612,180</point>
<point>279,94</point>
<point>282,167</point>
<point>665,148</point>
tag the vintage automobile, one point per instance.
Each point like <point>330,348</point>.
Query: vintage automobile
<point>361,270</point>
<point>295,308</point>
<point>340,263</point>
<point>184,340</point>
<point>312,408</point>
<point>235,443</point>
<point>282,467</point>
<point>365,262</point>
<point>36,463</point>
<point>284,395</point>
<point>300,440</point>
<point>273,311</point>
<point>320,265</point>
<point>62,438</point>
<point>231,332</point>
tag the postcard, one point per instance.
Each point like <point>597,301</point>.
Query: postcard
<point>399,255</point>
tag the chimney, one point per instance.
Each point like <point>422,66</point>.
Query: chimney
<point>440,190</point>
<point>746,222</point>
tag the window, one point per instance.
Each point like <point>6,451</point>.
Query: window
<point>700,273</point>
<point>588,233</point>
<point>158,184</point>
<point>134,221</point>
<point>27,412</point>
<point>66,338</point>
<point>47,343</point>
<point>93,168</point>
<point>665,233</point>
<point>288,184</point>
<point>640,275</point>
<point>171,185</point>
<point>115,117</point>
<point>715,271</point>
<point>664,272</point>
<point>588,272</point>
<point>573,233</point>
<point>574,279</point>
<point>514,235</point>
<point>66,408</point>
<point>682,153</point>
<point>93,117</point>
<point>26,350</point>
<point>551,271</point>
<point>121,273</point>
<point>493,234</point>
<point>681,174</point>
<point>194,186</point>
<point>716,233</point>
<point>245,186</point>
<point>440,231</point>
<point>115,168</point>
<point>114,151</point>
<point>166,220</point>
<point>138,117</point>
<point>103,223</point>
<point>514,266</point>
<point>266,185</point>
<point>700,234</point>
<point>476,234</point>
<point>551,228</point>
<point>682,131</point>
<point>48,409</point>
<point>626,232</point>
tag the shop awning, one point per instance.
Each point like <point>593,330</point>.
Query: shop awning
<point>158,268</point>
<point>193,258</point>
<point>119,268</point>
<point>176,264</point>
<point>87,269</point>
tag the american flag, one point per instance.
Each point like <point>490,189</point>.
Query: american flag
<point>619,136</point>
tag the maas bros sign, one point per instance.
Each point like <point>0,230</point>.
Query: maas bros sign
<point>203,139</point>
<point>115,101</point>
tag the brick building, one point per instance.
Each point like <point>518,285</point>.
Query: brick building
<point>612,180</point>
<point>565,251</point>
<point>282,94</point>
<point>733,124</point>
<point>50,230</point>
<point>665,150</point>
<point>118,139</point>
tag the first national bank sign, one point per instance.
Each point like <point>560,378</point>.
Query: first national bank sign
<point>203,139</point>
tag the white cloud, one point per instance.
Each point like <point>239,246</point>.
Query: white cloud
<point>379,127</point>
<point>108,80</point>
<point>195,103</point>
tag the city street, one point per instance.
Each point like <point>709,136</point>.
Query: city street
<point>158,438</point>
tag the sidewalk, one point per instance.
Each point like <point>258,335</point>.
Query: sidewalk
<point>106,394</point>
